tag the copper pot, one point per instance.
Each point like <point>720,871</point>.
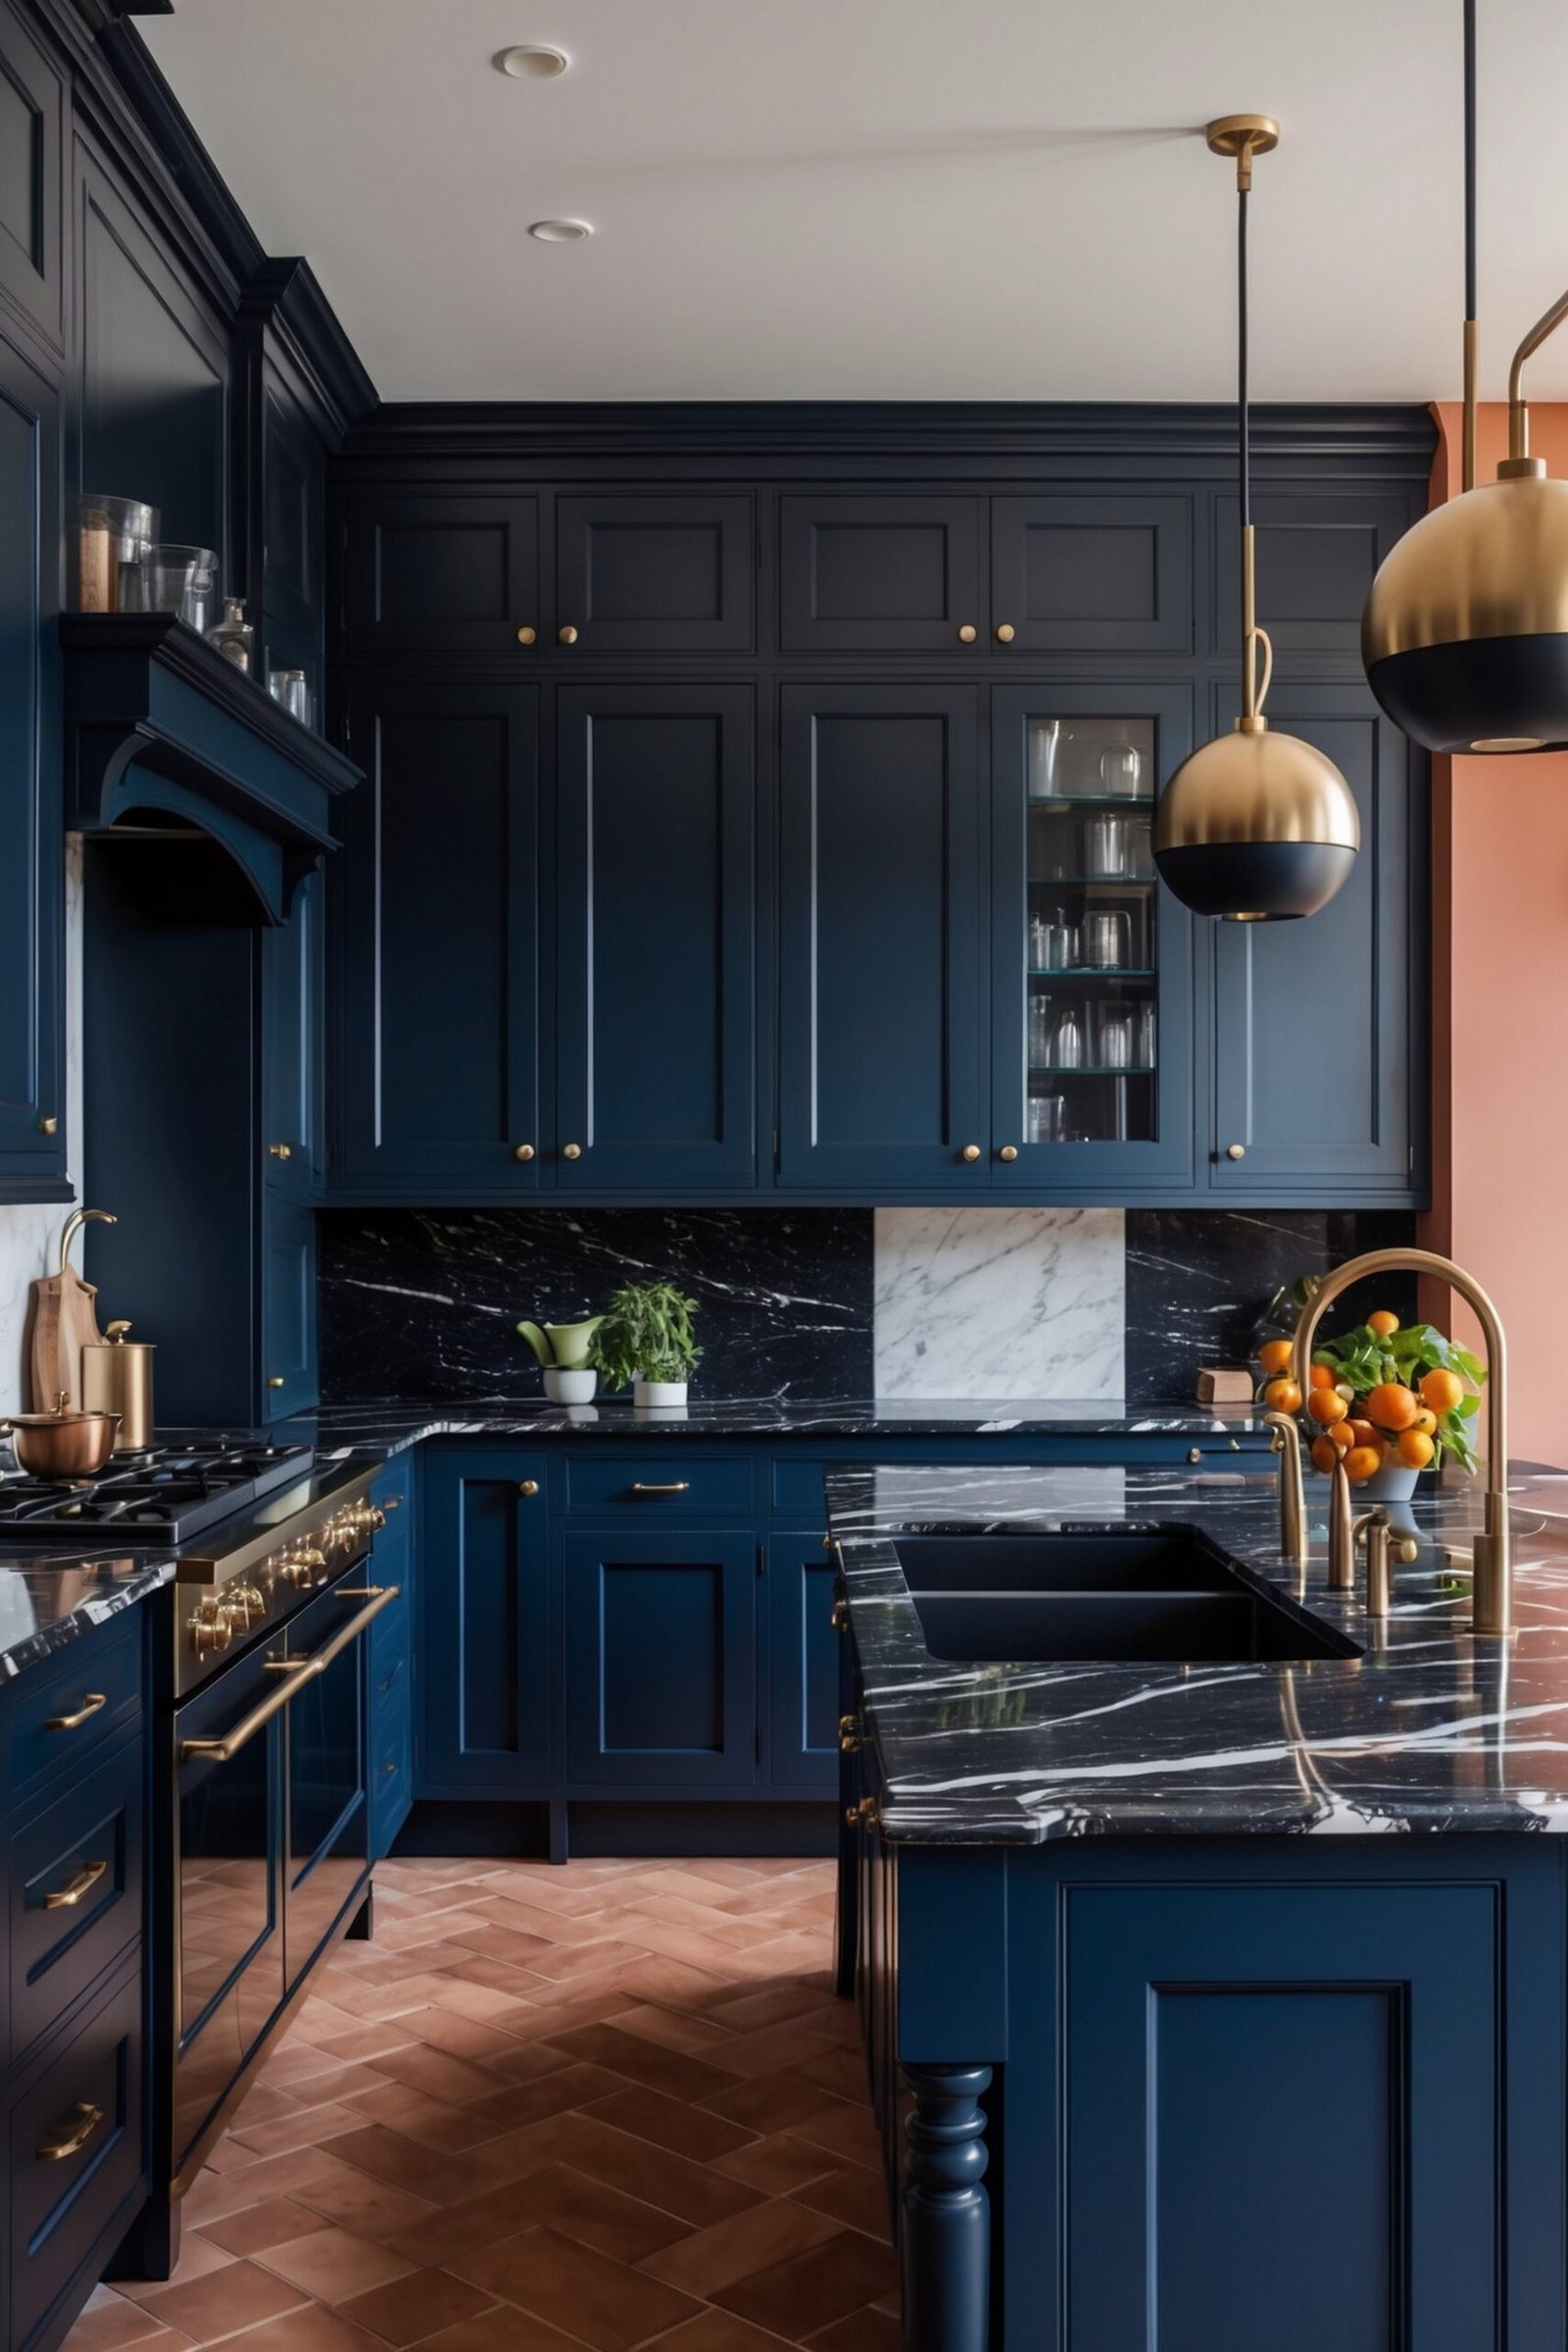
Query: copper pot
<point>62,1443</point>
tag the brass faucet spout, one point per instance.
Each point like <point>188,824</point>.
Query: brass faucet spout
<point>1491,1592</point>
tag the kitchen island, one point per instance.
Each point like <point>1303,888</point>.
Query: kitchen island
<point>1213,1994</point>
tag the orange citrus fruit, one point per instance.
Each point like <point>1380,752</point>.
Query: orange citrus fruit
<point>1322,1375</point>
<point>1442,1391</point>
<point>1416,1449</point>
<point>1362,1463</point>
<point>1340,1434</point>
<point>1364,1433</point>
<point>1325,1454</point>
<point>1283,1396</point>
<point>1392,1405</point>
<point>1275,1355</point>
<point>1383,1323</point>
<point>1426,1420</point>
<point>1326,1405</point>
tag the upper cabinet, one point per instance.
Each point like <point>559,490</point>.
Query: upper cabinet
<point>1092,574</point>
<point>32,121</point>
<point>1315,559</point>
<point>438,572</point>
<point>655,575</point>
<point>880,575</point>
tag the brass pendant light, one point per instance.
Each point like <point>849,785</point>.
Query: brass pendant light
<point>1465,632</point>
<point>1254,827</point>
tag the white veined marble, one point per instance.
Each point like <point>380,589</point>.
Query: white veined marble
<point>30,1231</point>
<point>1000,1303</point>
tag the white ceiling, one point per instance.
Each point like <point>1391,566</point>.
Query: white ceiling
<point>890,199</point>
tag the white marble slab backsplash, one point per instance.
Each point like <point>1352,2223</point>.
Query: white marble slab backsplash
<point>1001,1302</point>
<point>30,1233</point>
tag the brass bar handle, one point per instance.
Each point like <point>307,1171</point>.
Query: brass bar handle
<point>674,1486</point>
<point>295,1671</point>
<point>90,1706</point>
<point>378,1599</point>
<point>55,2151</point>
<point>66,1898</point>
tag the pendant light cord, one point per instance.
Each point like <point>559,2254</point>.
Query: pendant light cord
<point>1254,690</point>
<point>1240,357</point>
<point>1471,331</point>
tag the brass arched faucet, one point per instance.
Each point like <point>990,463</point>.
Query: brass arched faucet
<point>1491,1589</point>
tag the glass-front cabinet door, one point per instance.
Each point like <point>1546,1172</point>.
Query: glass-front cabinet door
<point>1092,1018</point>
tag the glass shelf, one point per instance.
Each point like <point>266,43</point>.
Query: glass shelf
<point>1092,881</point>
<point>1136,804</point>
<point>1093,1070</point>
<point>1092,971</point>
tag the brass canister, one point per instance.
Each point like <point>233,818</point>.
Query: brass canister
<point>117,1378</point>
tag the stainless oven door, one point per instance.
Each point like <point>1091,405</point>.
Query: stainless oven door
<point>327,1848</point>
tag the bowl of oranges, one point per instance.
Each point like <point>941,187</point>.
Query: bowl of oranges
<point>1386,1399</point>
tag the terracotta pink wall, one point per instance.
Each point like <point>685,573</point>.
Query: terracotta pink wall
<point>1500,1020</point>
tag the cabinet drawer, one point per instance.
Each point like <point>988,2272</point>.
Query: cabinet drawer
<point>63,1714</point>
<point>75,2148</point>
<point>657,1485</point>
<point>75,1881</point>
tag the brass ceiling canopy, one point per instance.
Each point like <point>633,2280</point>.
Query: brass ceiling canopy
<point>1465,633</point>
<point>1254,827</point>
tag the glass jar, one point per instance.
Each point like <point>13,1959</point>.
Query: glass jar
<point>113,535</point>
<point>233,636</point>
<point>179,579</point>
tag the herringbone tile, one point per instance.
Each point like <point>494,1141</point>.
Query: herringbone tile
<point>548,2110</point>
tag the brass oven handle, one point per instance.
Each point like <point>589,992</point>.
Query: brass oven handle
<point>376,1599</point>
<point>298,1671</point>
<point>90,1706</point>
<point>676,1486</point>
<point>55,2151</point>
<point>66,1898</point>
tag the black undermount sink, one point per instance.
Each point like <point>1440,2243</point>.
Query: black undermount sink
<point>1166,1593</point>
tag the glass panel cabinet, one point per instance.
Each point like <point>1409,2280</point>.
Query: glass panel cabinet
<point>1091,958</point>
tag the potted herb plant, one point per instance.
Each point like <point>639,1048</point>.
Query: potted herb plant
<point>646,1338</point>
<point>1391,1401</point>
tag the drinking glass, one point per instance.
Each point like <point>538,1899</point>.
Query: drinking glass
<point>1061,943</point>
<point>1107,847</point>
<point>1045,739</point>
<point>1145,1035</point>
<point>1121,767</point>
<point>1044,1120</point>
<point>1039,934</point>
<point>179,579</point>
<point>1115,1048</point>
<point>1067,1042</point>
<point>291,688</point>
<point>1107,940</point>
<point>1039,1031</point>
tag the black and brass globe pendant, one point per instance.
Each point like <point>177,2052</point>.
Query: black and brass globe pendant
<point>1254,827</point>
<point>1465,632</point>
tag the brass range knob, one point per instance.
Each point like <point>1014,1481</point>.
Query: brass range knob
<point>211,1628</point>
<point>522,1152</point>
<point>567,636</point>
<point>970,1152</point>
<point>527,636</point>
<point>968,633</point>
<point>1005,633</point>
<point>572,1151</point>
<point>1009,1152</point>
<point>242,1602</point>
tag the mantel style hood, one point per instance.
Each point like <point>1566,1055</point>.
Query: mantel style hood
<point>163,735</point>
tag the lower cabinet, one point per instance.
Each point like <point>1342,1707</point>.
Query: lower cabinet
<point>289,1382</point>
<point>391,1697</point>
<point>485,1647</point>
<point>661,1659</point>
<point>802,1663</point>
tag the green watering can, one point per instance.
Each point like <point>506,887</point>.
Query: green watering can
<point>560,1346</point>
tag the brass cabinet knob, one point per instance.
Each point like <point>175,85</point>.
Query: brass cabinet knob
<point>529,1487</point>
<point>1236,1150</point>
<point>1009,1152</point>
<point>48,1126</point>
<point>1005,633</point>
<point>279,1151</point>
<point>275,1380</point>
<point>522,1152</point>
<point>968,633</point>
<point>527,636</point>
<point>1195,1453</point>
<point>572,1151</point>
<point>970,1151</point>
<point>567,636</point>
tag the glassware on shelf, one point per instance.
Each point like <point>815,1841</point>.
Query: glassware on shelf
<point>1060,945</point>
<point>233,636</point>
<point>1045,1119</point>
<point>113,535</point>
<point>1108,848</point>
<point>1121,769</point>
<point>1065,1045</point>
<point>1106,940</point>
<point>1046,737</point>
<point>1039,1034</point>
<point>179,579</point>
<point>1145,1049</point>
<point>1139,847</point>
<point>1115,1036</point>
<point>292,689</point>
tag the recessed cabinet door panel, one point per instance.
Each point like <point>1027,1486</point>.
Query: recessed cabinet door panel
<point>661,1659</point>
<point>881,1080</point>
<point>33,1109</point>
<point>1228,2051</point>
<point>656,937</point>
<point>655,576</point>
<point>879,574</point>
<point>1107,574</point>
<point>32,93</point>
<point>439,916</point>
<point>1316,558</point>
<point>1313,1020</point>
<point>442,571</point>
<point>803,1739</point>
<point>293,978</point>
<point>482,1669</point>
<point>289,1382</point>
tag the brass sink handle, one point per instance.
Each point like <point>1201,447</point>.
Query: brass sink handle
<point>1284,1440</point>
<point>1378,1529</point>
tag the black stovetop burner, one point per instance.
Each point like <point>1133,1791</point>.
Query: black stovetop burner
<point>165,1495</point>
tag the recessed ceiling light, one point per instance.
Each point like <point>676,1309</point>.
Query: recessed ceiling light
<point>532,61</point>
<point>560,233</point>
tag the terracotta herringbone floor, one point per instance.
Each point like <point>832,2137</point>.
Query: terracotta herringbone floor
<point>610,2105</point>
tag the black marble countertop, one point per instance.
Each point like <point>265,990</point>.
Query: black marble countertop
<point>49,1599</point>
<point>391,1425</point>
<point>1430,1729</point>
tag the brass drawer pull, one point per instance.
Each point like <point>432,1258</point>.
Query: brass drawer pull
<point>66,1898</point>
<point>89,2117</point>
<point>674,1486</point>
<point>90,1706</point>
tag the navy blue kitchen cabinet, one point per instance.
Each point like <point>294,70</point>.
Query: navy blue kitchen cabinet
<point>656,943</point>
<point>883,574</point>
<point>33,887</point>
<point>294,1045</point>
<point>660,1676</point>
<point>32,107</point>
<point>660,574</point>
<point>1103,573</point>
<point>804,1663</point>
<point>485,1645</point>
<point>435,923</point>
<point>882,1081</point>
<point>1092,1065</point>
<point>1319,1028</point>
<point>391,1655</point>
<point>441,571</point>
<point>287,1324</point>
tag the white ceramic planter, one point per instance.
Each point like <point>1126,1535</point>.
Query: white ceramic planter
<point>564,1384</point>
<point>658,1395</point>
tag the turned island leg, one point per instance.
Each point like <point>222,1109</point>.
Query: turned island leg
<point>947,2214</point>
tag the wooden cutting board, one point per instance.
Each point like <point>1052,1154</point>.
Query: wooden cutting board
<point>64,1319</point>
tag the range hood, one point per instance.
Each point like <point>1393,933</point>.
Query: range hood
<point>166,738</point>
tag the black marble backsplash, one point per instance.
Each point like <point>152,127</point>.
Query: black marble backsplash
<point>425,1302</point>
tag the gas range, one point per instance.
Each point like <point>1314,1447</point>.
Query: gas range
<point>167,1495</point>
